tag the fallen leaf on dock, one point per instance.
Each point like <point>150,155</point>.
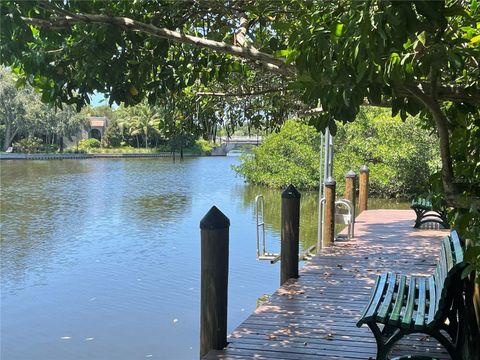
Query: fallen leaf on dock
<point>328,336</point>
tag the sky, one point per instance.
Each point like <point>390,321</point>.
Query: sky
<point>98,99</point>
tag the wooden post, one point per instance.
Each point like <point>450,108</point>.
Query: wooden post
<point>290,234</point>
<point>350,187</point>
<point>329,225</point>
<point>214,233</point>
<point>363,189</point>
<point>351,192</point>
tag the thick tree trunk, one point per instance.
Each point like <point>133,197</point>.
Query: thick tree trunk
<point>452,194</point>
<point>7,140</point>
<point>9,136</point>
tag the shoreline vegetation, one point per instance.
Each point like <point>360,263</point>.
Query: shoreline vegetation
<point>59,156</point>
<point>401,156</point>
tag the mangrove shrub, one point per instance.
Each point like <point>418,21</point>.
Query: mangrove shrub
<point>400,155</point>
<point>287,157</point>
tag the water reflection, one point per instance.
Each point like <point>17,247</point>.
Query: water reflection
<point>272,212</point>
<point>308,211</point>
<point>166,207</point>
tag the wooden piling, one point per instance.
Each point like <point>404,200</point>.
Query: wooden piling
<point>214,230</point>
<point>363,189</point>
<point>290,234</point>
<point>329,221</point>
<point>350,187</point>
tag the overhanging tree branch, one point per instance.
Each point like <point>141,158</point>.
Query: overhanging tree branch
<point>66,19</point>
<point>245,52</point>
<point>445,93</point>
<point>239,94</point>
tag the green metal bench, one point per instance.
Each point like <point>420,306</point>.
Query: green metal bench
<point>402,305</point>
<point>425,213</point>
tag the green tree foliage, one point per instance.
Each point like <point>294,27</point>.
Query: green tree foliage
<point>23,115</point>
<point>87,144</point>
<point>287,157</point>
<point>400,154</point>
<point>13,112</point>
<point>114,136</point>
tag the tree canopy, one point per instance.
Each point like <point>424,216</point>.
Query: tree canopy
<point>414,56</point>
<point>23,115</point>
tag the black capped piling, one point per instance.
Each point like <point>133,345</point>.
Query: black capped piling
<point>214,233</point>
<point>290,234</point>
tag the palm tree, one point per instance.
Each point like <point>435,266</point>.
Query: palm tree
<point>146,118</point>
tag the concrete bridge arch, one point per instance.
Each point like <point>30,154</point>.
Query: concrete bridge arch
<point>233,143</point>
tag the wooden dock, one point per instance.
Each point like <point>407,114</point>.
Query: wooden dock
<point>314,316</point>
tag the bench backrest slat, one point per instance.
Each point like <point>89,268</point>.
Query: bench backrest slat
<point>441,273</point>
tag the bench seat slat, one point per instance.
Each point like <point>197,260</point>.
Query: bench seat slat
<point>432,301</point>
<point>422,294</point>
<point>372,296</point>
<point>407,316</point>
<point>448,254</point>
<point>399,300</point>
<point>457,247</point>
<point>372,310</point>
<point>387,301</point>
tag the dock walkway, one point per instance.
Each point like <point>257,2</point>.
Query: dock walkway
<point>314,317</point>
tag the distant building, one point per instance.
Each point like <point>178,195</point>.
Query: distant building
<point>97,125</point>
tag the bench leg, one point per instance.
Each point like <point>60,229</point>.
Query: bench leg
<point>418,220</point>
<point>447,344</point>
<point>385,339</point>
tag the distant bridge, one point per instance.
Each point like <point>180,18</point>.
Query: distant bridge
<point>228,144</point>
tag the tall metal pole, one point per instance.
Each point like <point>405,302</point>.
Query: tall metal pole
<point>320,194</point>
<point>327,158</point>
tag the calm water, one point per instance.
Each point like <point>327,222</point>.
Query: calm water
<point>100,258</point>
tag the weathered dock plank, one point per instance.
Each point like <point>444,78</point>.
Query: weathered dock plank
<point>314,316</point>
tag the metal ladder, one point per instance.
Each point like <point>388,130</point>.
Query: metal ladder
<point>262,253</point>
